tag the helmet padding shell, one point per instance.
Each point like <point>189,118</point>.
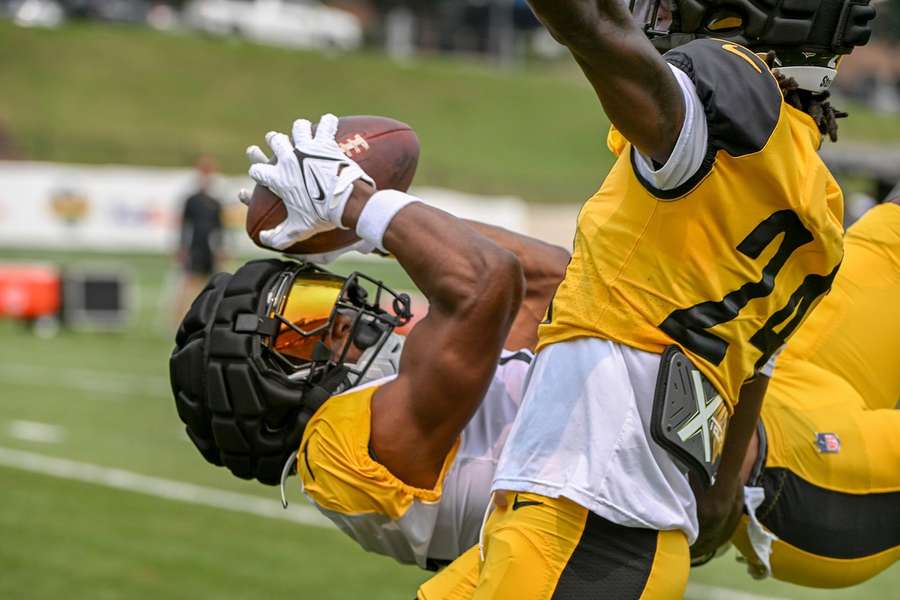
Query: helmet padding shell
<point>238,411</point>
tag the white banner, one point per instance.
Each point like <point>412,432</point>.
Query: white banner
<point>47,205</point>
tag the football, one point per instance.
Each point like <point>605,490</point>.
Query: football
<point>386,149</point>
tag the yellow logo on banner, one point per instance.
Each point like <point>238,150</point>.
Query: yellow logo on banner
<point>70,207</point>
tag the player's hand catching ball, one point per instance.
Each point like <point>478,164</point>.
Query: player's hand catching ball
<point>256,156</point>
<point>312,176</point>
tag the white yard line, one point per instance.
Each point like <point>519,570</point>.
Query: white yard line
<point>33,431</point>
<point>122,384</point>
<point>206,496</point>
<point>161,488</point>
<point>88,380</point>
<point>699,591</point>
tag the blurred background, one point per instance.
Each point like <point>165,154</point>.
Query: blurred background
<point>123,125</point>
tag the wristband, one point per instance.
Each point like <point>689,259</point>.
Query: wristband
<point>377,214</point>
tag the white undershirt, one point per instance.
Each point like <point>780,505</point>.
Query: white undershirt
<point>583,433</point>
<point>690,149</point>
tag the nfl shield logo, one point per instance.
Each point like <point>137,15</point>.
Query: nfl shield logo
<point>828,443</point>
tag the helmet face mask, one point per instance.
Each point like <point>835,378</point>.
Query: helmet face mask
<point>330,328</point>
<point>654,17</point>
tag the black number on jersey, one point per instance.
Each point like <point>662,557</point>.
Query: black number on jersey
<point>688,326</point>
<point>767,340</point>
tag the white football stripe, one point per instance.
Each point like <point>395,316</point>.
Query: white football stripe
<point>160,488</point>
<point>33,431</point>
<point>207,496</point>
<point>88,380</point>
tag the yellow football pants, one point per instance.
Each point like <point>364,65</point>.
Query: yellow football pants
<point>835,508</point>
<point>539,548</point>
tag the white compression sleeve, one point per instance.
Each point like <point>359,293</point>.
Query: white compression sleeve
<point>690,149</point>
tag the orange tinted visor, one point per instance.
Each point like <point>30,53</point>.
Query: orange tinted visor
<point>308,307</point>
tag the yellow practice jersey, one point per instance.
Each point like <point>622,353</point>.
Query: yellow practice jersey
<point>830,479</point>
<point>832,434</point>
<point>854,333</point>
<point>358,494</point>
<point>428,527</point>
<point>728,264</point>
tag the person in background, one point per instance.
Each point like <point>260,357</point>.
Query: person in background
<point>200,242</point>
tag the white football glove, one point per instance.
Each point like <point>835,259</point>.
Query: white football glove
<point>313,178</point>
<point>256,156</point>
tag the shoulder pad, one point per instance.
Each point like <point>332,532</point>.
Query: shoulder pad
<point>738,92</point>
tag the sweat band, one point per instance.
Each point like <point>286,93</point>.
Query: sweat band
<point>376,215</point>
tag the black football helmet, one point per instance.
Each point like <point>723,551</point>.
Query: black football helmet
<point>809,36</point>
<point>254,357</point>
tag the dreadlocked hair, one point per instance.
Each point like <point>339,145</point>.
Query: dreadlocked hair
<point>815,105</point>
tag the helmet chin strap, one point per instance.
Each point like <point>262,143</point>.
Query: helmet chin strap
<point>290,468</point>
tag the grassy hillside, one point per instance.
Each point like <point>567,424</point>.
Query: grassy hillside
<point>95,93</point>
<point>91,93</point>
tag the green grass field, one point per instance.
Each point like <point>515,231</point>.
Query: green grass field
<point>89,93</point>
<point>108,394</point>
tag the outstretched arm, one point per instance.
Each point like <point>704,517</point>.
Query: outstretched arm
<point>544,266</point>
<point>474,288</point>
<point>637,89</point>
